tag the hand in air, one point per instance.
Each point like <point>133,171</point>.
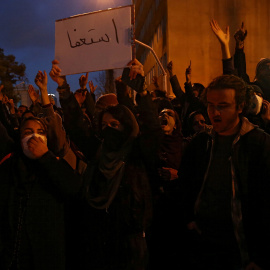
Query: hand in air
<point>223,37</point>
<point>135,68</point>
<point>92,87</point>
<point>41,80</point>
<point>34,96</point>
<point>240,36</point>
<point>55,73</point>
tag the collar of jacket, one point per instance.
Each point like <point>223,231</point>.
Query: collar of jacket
<point>246,127</point>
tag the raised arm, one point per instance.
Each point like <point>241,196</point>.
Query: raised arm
<point>92,90</point>
<point>223,38</point>
<point>122,93</point>
<point>41,81</point>
<point>148,115</point>
<point>136,68</point>
<point>34,96</point>
<point>55,74</point>
<point>86,98</point>
<point>57,139</point>
<point>83,81</point>
<point>67,99</point>
<point>188,85</point>
<point>177,90</point>
<point>77,127</point>
<point>240,36</point>
<point>239,55</point>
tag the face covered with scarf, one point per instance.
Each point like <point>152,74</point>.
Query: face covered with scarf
<point>112,132</point>
<point>33,137</point>
<point>118,126</point>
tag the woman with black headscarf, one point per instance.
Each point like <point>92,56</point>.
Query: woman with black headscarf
<point>118,195</point>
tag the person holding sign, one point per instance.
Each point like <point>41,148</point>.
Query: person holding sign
<point>115,208</point>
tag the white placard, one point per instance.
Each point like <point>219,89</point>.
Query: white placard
<point>94,41</point>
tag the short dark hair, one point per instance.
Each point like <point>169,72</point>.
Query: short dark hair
<point>28,111</point>
<point>242,96</point>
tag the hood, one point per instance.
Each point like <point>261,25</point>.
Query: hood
<point>246,127</point>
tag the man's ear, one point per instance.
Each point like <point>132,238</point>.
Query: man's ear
<point>241,107</point>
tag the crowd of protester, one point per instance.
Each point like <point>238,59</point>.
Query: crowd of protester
<point>151,183</point>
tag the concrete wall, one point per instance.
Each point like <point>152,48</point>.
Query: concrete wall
<point>190,36</point>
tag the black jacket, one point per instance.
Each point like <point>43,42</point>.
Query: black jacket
<point>250,159</point>
<point>32,200</point>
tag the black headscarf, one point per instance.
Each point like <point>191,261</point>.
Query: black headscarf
<point>106,174</point>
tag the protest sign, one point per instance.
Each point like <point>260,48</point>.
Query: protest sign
<point>94,41</point>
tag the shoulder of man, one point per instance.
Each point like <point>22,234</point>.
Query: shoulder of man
<point>256,144</point>
<point>257,136</point>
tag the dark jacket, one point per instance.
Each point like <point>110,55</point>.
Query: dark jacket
<point>250,163</point>
<point>116,205</point>
<point>240,64</point>
<point>32,199</point>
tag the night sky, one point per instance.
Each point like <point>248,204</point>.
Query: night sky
<point>28,27</point>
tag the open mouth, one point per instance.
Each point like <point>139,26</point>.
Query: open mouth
<point>164,122</point>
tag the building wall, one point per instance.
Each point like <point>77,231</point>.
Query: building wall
<point>151,21</point>
<point>22,91</point>
<point>189,35</point>
<point>24,98</point>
